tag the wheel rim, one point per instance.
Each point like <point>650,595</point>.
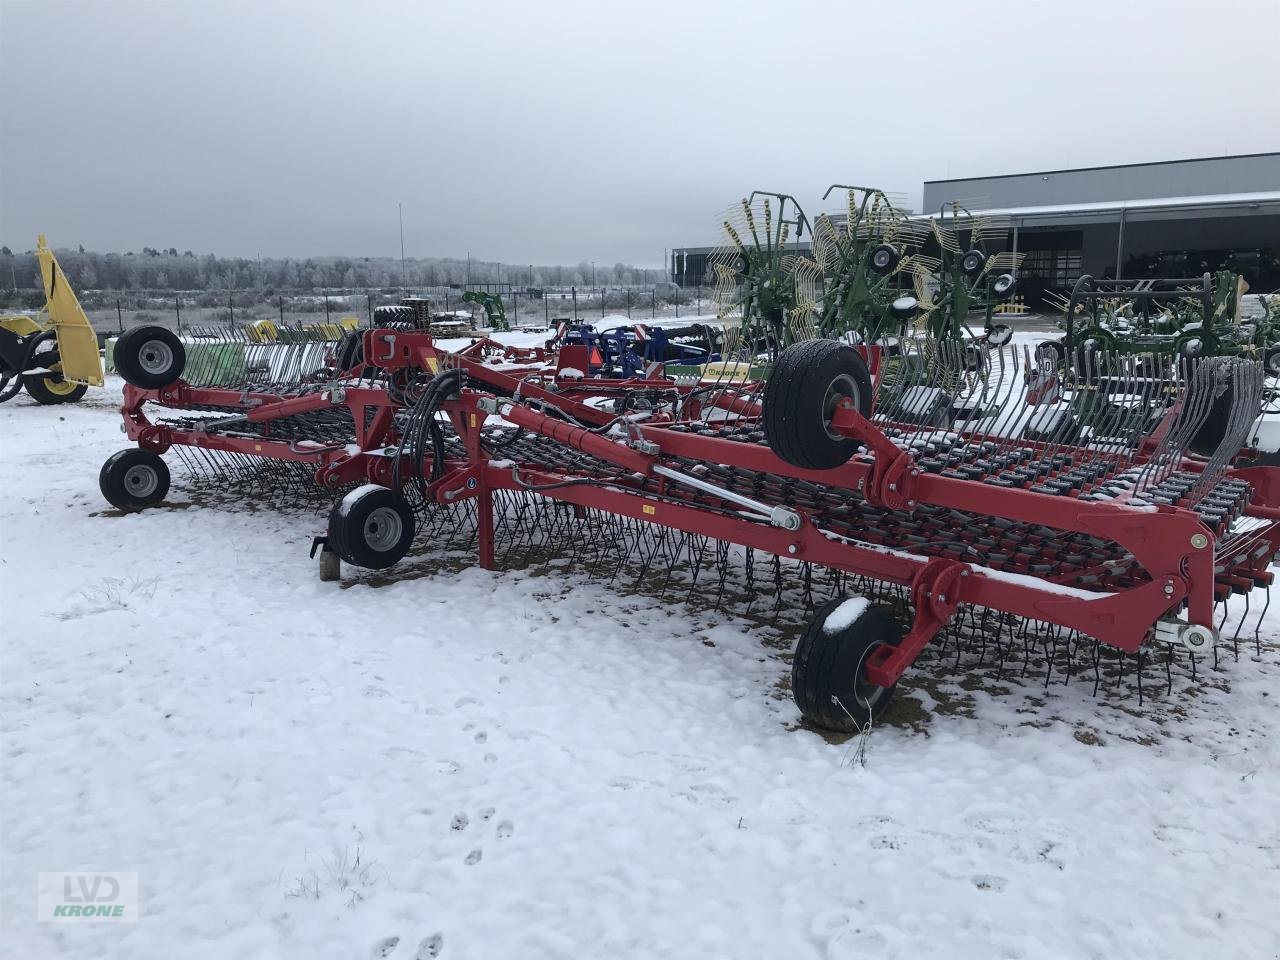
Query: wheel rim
<point>881,259</point>
<point>155,357</point>
<point>382,529</point>
<point>842,387</point>
<point>141,481</point>
<point>59,387</point>
<point>865,693</point>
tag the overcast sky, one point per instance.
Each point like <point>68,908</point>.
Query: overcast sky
<point>566,132</point>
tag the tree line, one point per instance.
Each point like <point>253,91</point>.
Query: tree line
<point>154,269</point>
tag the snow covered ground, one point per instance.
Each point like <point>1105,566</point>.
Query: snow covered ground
<point>477,765</point>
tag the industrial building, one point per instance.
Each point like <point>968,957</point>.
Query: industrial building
<point>1174,218</point>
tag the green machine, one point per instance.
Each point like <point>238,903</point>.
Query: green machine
<point>495,314</point>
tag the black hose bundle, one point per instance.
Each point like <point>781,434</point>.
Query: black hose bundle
<point>421,429</point>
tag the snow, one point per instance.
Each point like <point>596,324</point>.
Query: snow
<point>843,616</point>
<point>571,373</point>
<point>355,496</point>
<point>554,766</point>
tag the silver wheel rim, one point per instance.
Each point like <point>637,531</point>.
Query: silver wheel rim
<point>382,529</point>
<point>141,481</point>
<point>155,357</point>
<point>842,387</point>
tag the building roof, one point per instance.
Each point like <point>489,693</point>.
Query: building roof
<point>1151,208</point>
<point>1110,166</point>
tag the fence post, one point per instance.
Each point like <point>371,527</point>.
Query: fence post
<point>326,306</point>
<point>177,309</point>
<point>575,303</point>
<point>119,316</point>
<point>515,306</point>
<point>653,302</point>
<point>677,300</point>
<point>546,308</point>
<point>369,306</point>
<point>628,303</point>
<point>602,302</point>
<point>231,305</point>
<point>280,303</point>
<point>446,301</point>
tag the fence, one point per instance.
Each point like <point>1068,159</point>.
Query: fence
<point>109,310</point>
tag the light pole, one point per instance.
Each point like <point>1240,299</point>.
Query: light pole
<point>400,206</point>
<point>593,274</point>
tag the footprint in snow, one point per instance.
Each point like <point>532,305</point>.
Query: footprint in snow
<point>474,857</point>
<point>487,813</point>
<point>383,948</point>
<point>989,882</point>
<point>505,829</point>
<point>459,822</point>
<point>481,737</point>
<point>430,947</point>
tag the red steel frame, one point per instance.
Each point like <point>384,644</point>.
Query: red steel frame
<point>1163,540</point>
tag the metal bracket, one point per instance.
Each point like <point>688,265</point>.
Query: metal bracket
<point>1191,636</point>
<point>935,592</point>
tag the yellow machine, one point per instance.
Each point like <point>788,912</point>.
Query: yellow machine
<point>55,353</point>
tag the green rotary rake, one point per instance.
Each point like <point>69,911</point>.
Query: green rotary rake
<point>866,261</point>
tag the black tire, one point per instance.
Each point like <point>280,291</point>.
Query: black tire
<point>1004,285</point>
<point>134,479</point>
<point>150,357</point>
<point>395,317</point>
<point>1213,430</point>
<point>806,383</point>
<point>828,679</point>
<point>371,527</point>
<point>972,262</point>
<point>351,352</point>
<point>883,259</point>
<point>46,389</point>
<point>904,308</point>
<point>1089,358</point>
<point>1055,351</point>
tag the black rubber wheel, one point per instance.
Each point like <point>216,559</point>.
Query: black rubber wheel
<point>1089,357</point>
<point>395,317</point>
<point>351,353</point>
<point>1213,430</point>
<point>371,527</point>
<point>904,308</point>
<point>134,479</point>
<point>971,263</point>
<point>828,678</point>
<point>807,382</point>
<point>883,259</point>
<point>46,389</point>
<point>1003,285</point>
<point>1055,351</point>
<point>150,357</point>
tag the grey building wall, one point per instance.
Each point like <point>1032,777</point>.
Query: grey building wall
<point>1180,178</point>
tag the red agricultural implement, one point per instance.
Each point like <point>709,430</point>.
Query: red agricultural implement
<point>920,477</point>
